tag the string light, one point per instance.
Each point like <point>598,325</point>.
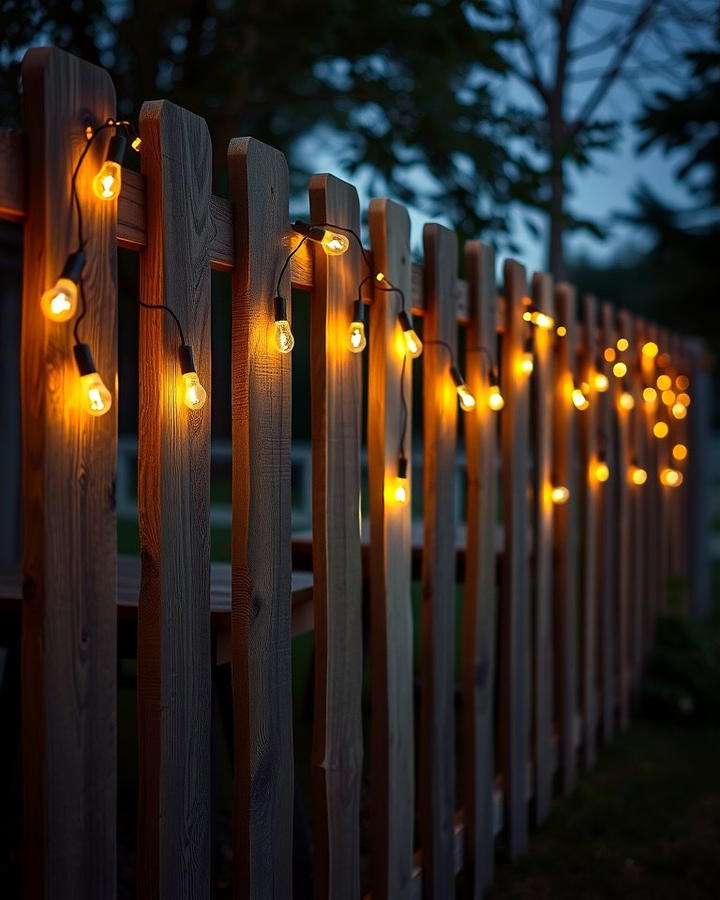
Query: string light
<point>526,363</point>
<point>579,399</point>
<point>649,395</point>
<point>357,340</point>
<point>660,429</point>
<point>682,382</point>
<point>626,400</point>
<point>495,399</point>
<point>284,340</point>
<point>195,393</point>
<point>637,474</point>
<point>619,369</point>
<point>679,411</point>
<point>413,344</point>
<point>679,452</point>
<point>559,495</point>
<point>664,382</point>
<point>539,319</point>
<point>59,303</point>
<point>600,382</point>
<point>599,469</point>
<point>671,477</point>
<point>332,242</point>
<point>664,360</point>
<point>97,398</point>
<point>467,398</point>
<point>609,354</point>
<point>650,349</point>
<point>622,343</point>
<point>401,487</point>
<point>108,181</point>
<point>684,399</point>
<point>561,331</point>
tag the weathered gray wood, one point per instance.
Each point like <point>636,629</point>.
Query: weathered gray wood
<point>478,643</point>
<point>607,554</point>
<point>566,538</point>
<point>69,539</point>
<point>261,410</point>
<point>515,596</point>
<point>591,446</point>
<point>436,800</point>
<point>336,387</point>
<point>174,652</point>
<point>391,749</point>
<point>543,396</point>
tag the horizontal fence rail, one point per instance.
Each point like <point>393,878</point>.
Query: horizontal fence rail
<point>583,498</point>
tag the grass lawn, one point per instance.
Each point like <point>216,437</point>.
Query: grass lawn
<point>645,823</point>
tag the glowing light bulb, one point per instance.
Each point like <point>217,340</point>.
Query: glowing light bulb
<point>561,331</point>
<point>679,411</point>
<point>650,395</point>
<point>601,382</point>
<point>284,340</point>
<point>357,341</point>
<point>195,394</point>
<point>619,369</point>
<point>495,399</point>
<point>609,354</point>
<point>526,363</point>
<point>682,382</point>
<point>59,302</point>
<point>540,319</point>
<point>660,429</point>
<point>97,399</point>
<point>650,349</point>
<point>413,344</point>
<point>684,399</point>
<point>663,360</point>
<point>622,344</point>
<point>401,486</point>
<point>679,452</point>
<point>601,471</point>
<point>467,398</point>
<point>668,397</point>
<point>664,382</point>
<point>579,399</point>
<point>671,477</point>
<point>108,181</point>
<point>335,244</point>
<point>560,495</point>
<point>136,144</point>
<point>626,400</point>
<point>637,475</point>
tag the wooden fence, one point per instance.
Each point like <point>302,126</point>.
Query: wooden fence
<point>573,569</point>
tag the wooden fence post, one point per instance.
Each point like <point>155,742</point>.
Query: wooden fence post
<point>392,760</point>
<point>68,498</point>
<point>638,516</point>
<point>566,538</point>
<point>478,645</point>
<point>699,448</point>
<point>174,658</point>
<point>437,711</point>
<point>592,364</point>
<point>542,419</point>
<point>515,587</point>
<point>261,557</point>
<point>623,531</point>
<point>336,387</point>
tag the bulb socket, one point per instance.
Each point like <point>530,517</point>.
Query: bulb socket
<point>116,149</point>
<point>312,232</point>
<point>83,359</point>
<point>405,321</point>
<point>187,363</point>
<point>456,375</point>
<point>358,311</point>
<point>280,309</point>
<point>493,377</point>
<point>73,267</point>
<point>402,467</point>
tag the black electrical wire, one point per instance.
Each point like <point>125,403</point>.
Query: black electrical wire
<point>167,310</point>
<point>285,265</point>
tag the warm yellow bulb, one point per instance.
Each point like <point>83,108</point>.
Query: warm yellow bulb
<point>106,184</point>
<point>609,354</point>
<point>527,316</point>
<point>600,380</point>
<point>560,495</point>
<point>59,302</point>
<point>601,471</point>
<point>679,452</point>
<point>664,382</point>
<point>541,319</point>
<point>561,331</point>
<point>619,369</point>
<point>626,400</point>
<point>684,399</point>
<point>682,382</point>
<point>335,244</point>
<point>622,344</point>
<point>195,393</point>
<point>526,363</point>
<point>496,401</point>
<point>98,399</point>
<point>660,429</point>
<point>579,399</point>
<point>467,399</point>
<point>671,477</point>
<point>679,411</point>
<point>356,337</point>
<point>650,349</point>
<point>649,395</point>
<point>637,475</point>
<point>668,397</point>
<point>284,340</point>
<point>400,490</point>
<point>413,344</point>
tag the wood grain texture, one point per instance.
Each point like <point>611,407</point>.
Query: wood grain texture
<point>174,652</point>
<point>336,399</point>
<point>623,529</point>
<point>261,411</point>
<point>479,616</point>
<point>436,787</point>
<point>607,547</point>
<point>638,511</point>
<point>543,395</point>
<point>591,363</point>
<point>515,588</point>
<point>13,194</point>
<point>392,777</point>
<point>566,538</point>
<point>68,502</point>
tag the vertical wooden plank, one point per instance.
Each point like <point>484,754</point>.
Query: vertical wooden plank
<point>607,562</point>
<point>698,473</point>
<point>623,533</point>
<point>592,363</point>
<point>336,387</point>
<point>68,501</point>
<point>542,426</point>
<point>392,764</point>
<point>11,266</point>
<point>566,537</point>
<point>478,644</point>
<point>638,516</point>
<point>436,799</point>
<point>261,559</point>
<point>652,410</point>
<point>515,599</point>
<point>174,657</point>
